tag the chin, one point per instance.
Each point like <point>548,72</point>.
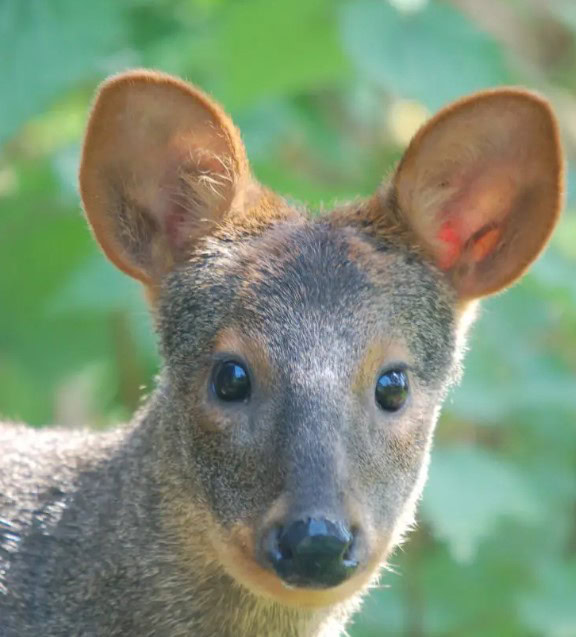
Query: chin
<point>237,555</point>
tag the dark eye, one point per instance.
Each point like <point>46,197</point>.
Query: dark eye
<point>231,381</point>
<point>392,390</point>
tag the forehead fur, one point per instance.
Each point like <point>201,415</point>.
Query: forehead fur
<point>311,289</point>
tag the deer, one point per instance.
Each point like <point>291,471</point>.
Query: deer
<point>279,460</point>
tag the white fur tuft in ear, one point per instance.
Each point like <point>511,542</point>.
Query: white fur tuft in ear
<point>162,166</point>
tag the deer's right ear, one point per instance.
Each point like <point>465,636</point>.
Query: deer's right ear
<point>162,165</point>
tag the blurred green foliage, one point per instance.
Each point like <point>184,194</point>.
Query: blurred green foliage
<point>326,93</point>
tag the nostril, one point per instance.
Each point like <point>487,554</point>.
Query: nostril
<point>354,545</point>
<point>350,548</point>
<point>286,553</point>
<point>273,548</point>
<point>284,548</point>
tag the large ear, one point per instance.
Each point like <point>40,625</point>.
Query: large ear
<point>481,186</point>
<point>162,165</point>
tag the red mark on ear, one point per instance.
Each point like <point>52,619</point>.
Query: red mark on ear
<point>485,243</point>
<point>452,248</point>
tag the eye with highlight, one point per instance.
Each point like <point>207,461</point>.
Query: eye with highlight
<point>392,390</point>
<point>231,381</point>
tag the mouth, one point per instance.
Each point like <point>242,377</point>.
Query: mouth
<point>236,552</point>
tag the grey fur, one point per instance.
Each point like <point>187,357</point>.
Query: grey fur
<point>155,530</point>
<point>88,540</point>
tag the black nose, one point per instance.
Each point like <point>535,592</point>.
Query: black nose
<point>312,553</point>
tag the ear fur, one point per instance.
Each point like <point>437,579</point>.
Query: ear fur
<point>162,166</point>
<point>481,187</point>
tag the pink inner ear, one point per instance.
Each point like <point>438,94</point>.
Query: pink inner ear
<point>452,245</point>
<point>471,220</point>
<point>175,226</point>
<point>196,190</point>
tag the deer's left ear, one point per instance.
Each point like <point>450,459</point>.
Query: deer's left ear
<point>481,186</point>
<point>162,167</point>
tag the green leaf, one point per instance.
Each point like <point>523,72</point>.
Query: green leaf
<point>45,48</point>
<point>99,289</point>
<point>265,49</point>
<point>383,608</point>
<point>97,286</point>
<point>433,55</point>
<point>468,492</point>
<point>550,610</point>
<point>474,599</point>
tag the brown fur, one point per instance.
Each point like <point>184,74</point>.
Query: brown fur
<point>156,529</point>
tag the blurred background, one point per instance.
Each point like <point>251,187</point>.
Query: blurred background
<point>327,93</point>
